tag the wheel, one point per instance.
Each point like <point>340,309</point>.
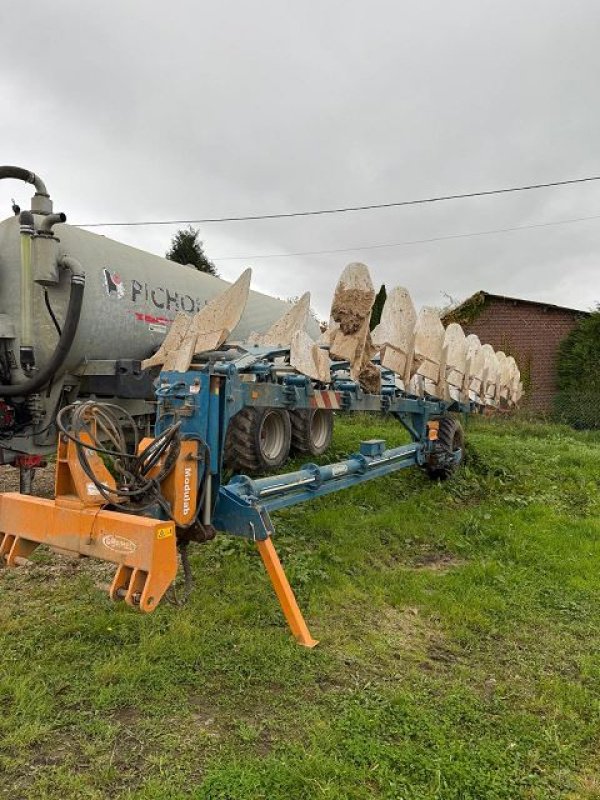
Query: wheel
<point>258,439</point>
<point>451,438</point>
<point>312,429</point>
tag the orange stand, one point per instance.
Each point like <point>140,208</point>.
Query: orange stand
<point>284,593</point>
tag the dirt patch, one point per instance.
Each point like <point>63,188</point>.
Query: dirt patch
<point>56,566</point>
<point>404,625</point>
<point>440,653</point>
<point>128,716</point>
<point>437,562</point>
<point>588,786</point>
<point>203,716</point>
<point>415,637</point>
<point>379,642</point>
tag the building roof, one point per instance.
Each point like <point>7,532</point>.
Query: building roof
<point>479,298</point>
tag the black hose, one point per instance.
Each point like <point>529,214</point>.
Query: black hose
<point>51,312</point>
<point>20,174</point>
<point>62,348</point>
<point>90,424</point>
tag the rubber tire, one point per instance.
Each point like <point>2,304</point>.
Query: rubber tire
<point>452,437</point>
<point>243,445</point>
<point>303,440</point>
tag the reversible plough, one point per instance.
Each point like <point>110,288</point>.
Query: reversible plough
<point>238,405</point>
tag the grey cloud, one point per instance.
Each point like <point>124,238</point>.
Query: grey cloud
<point>131,111</point>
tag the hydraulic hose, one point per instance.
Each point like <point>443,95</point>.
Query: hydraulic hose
<point>64,343</point>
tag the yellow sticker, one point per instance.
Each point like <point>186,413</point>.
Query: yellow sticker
<point>164,533</point>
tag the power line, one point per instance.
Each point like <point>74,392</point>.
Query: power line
<point>407,242</point>
<point>342,210</point>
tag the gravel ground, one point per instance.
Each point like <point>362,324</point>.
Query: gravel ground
<point>43,482</point>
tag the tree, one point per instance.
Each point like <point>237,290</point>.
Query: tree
<point>378,305</point>
<point>187,248</point>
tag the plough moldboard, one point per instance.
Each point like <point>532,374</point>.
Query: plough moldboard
<point>225,405</point>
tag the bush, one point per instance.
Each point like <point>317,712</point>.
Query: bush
<point>578,400</point>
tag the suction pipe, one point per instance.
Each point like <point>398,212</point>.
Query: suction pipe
<point>41,204</point>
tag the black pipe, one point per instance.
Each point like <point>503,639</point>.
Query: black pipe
<point>20,174</point>
<point>62,348</point>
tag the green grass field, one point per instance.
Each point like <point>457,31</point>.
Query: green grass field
<point>459,629</point>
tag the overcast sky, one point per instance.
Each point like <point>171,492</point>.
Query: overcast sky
<point>138,110</point>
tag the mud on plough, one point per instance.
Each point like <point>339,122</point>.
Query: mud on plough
<point>225,405</point>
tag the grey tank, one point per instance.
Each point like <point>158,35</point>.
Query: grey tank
<point>130,298</point>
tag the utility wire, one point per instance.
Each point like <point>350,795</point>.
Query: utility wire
<point>342,210</point>
<point>407,242</point>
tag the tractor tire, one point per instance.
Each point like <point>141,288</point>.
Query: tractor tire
<point>451,437</point>
<point>258,439</point>
<point>312,429</point>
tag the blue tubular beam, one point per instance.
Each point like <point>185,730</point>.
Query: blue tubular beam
<point>281,491</point>
<point>244,504</point>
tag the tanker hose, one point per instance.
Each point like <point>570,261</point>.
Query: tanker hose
<point>25,175</point>
<point>64,343</point>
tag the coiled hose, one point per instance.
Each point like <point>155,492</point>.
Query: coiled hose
<point>102,428</point>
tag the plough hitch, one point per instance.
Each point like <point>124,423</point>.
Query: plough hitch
<point>143,549</point>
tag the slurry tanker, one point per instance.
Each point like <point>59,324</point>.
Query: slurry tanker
<point>78,312</point>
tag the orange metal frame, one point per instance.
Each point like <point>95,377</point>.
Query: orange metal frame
<point>144,549</point>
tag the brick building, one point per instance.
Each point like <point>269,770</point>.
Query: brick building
<point>527,330</point>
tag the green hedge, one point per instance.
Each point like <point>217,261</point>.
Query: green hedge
<point>578,400</point>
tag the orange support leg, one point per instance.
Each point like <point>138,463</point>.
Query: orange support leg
<point>284,593</point>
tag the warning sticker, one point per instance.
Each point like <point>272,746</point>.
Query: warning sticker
<point>164,533</point>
